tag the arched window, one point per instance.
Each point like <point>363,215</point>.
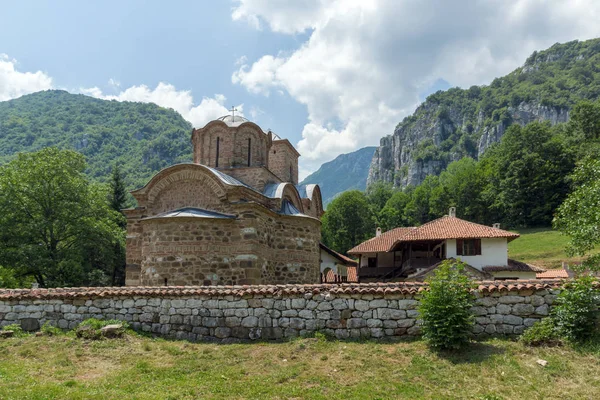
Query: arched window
<point>217,159</point>
<point>249,151</point>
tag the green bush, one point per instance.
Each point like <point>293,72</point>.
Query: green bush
<point>92,328</point>
<point>542,333</point>
<point>16,328</point>
<point>575,312</point>
<point>51,330</point>
<point>446,307</point>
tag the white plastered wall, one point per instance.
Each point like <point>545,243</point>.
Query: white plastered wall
<point>330,262</point>
<point>494,252</point>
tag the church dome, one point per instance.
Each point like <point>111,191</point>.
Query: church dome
<point>233,121</point>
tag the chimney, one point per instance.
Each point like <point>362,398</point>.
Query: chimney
<point>378,232</point>
<point>452,212</point>
<point>496,225</point>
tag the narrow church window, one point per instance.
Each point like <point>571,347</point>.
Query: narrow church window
<point>166,282</point>
<point>249,151</point>
<point>217,159</point>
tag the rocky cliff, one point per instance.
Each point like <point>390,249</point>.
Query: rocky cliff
<point>465,122</point>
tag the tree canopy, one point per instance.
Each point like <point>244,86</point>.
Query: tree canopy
<point>55,225</point>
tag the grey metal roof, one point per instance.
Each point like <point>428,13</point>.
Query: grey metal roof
<point>192,212</point>
<point>287,208</point>
<point>230,180</point>
<point>274,190</point>
<point>233,121</point>
<point>306,191</point>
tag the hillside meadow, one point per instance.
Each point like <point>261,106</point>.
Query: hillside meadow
<point>64,367</point>
<point>543,247</point>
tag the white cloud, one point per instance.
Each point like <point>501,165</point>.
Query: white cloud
<point>365,62</point>
<point>14,83</point>
<point>167,95</point>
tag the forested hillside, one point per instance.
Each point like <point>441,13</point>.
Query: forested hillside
<point>345,172</point>
<point>458,122</point>
<point>141,137</point>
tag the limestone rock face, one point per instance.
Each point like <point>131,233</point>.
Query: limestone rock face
<point>419,145</point>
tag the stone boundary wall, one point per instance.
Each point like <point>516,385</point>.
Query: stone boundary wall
<point>236,313</point>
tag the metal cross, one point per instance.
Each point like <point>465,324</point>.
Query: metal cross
<point>233,110</point>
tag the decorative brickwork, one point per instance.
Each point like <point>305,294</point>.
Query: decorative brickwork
<point>232,313</point>
<point>283,161</point>
<point>230,221</point>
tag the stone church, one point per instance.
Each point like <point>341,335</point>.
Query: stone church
<point>234,216</point>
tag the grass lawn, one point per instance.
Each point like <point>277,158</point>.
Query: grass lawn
<point>543,247</point>
<point>64,367</point>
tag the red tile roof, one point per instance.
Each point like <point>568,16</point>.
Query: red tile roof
<point>351,276</point>
<point>514,265</point>
<point>263,290</point>
<point>553,273</point>
<point>346,260</point>
<point>384,242</point>
<point>442,228</point>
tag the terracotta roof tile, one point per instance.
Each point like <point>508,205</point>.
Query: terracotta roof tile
<point>514,265</point>
<point>382,243</point>
<point>272,290</point>
<point>442,228</point>
<point>553,273</point>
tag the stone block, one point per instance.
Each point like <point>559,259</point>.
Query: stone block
<point>405,323</point>
<point>382,313</point>
<point>414,330</point>
<point>323,315</point>
<point>530,321</point>
<point>259,312</point>
<point>390,324</point>
<point>511,299</point>
<point>378,303</point>
<point>325,306</point>
<point>374,323</point>
<point>503,309</point>
<point>289,313</point>
<point>523,309</point>
<point>407,304</point>
<point>298,303</point>
<point>222,332</point>
<point>398,314</point>
<point>296,323</point>
<point>339,304</point>
<point>487,301</point>
<point>490,329</point>
<point>250,322</point>
<point>354,323</point>
<point>543,310</point>
<point>478,310</point>
<point>306,314</point>
<point>361,305</point>
<point>513,320</point>
<point>537,301</point>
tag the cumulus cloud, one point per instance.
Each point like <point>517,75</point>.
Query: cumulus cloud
<point>167,95</point>
<point>14,83</point>
<point>364,63</point>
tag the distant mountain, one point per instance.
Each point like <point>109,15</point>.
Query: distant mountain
<point>458,122</point>
<point>142,138</point>
<point>345,172</point>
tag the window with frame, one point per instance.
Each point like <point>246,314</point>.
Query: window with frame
<point>468,247</point>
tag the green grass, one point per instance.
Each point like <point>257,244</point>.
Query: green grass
<point>543,247</point>
<point>64,367</point>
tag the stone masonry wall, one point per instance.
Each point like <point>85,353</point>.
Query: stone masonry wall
<point>272,312</point>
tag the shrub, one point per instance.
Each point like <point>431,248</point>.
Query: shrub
<point>51,330</point>
<point>446,307</point>
<point>16,329</point>
<point>575,312</point>
<point>92,328</point>
<point>542,333</point>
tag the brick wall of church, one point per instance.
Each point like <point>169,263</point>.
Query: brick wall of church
<point>283,161</point>
<point>187,193</point>
<point>260,247</point>
<point>257,177</point>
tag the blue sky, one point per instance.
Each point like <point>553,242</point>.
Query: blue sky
<point>330,75</point>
